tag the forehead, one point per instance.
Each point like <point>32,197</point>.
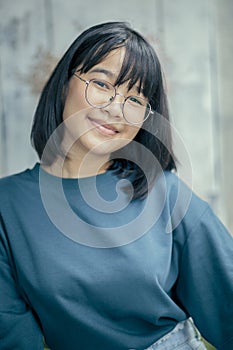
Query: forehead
<point>111,64</point>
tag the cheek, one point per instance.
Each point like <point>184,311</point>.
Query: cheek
<point>131,131</point>
<point>125,138</point>
<point>75,101</point>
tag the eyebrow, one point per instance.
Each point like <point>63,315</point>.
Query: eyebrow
<point>104,71</point>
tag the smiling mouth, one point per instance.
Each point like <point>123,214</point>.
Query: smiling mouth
<point>105,129</point>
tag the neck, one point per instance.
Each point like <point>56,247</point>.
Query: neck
<point>78,167</point>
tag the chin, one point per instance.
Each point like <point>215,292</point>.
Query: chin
<point>108,146</point>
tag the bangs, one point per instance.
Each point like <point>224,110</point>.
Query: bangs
<point>140,65</point>
<point>95,51</point>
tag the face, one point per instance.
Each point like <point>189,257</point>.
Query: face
<point>99,130</point>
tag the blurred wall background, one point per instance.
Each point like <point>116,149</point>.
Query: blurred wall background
<point>195,46</point>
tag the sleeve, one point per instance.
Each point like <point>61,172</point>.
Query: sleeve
<point>19,329</point>
<point>205,283</point>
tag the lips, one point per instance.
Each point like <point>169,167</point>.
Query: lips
<point>103,128</point>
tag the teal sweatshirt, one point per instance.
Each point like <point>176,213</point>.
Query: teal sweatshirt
<point>86,268</point>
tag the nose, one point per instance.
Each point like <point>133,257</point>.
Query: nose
<point>115,109</point>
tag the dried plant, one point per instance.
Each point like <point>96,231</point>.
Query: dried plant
<point>39,71</point>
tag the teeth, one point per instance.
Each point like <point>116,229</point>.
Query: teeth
<point>106,128</point>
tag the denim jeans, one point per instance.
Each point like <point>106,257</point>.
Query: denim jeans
<point>183,337</point>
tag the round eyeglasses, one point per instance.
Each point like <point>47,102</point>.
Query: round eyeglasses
<point>100,93</point>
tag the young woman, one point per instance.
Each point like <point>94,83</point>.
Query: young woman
<point>101,245</point>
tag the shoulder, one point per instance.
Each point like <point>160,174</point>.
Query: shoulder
<point>182,206</point>
<point>178,192</point>
<point>25,175</point>
<point>18,184</point>
<point>191,216</point>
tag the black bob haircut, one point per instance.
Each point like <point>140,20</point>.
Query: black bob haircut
<point>140,65</point>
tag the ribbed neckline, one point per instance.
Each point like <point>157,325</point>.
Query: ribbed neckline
<point>69,182</point>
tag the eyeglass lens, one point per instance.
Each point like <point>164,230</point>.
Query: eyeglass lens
<point>101,93</point>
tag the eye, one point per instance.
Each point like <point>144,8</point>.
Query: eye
<point>101,84</point>
<point>136,100</point>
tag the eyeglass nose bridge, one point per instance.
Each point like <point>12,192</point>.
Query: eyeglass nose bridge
<point>118,94</point>
<point>121,103</point>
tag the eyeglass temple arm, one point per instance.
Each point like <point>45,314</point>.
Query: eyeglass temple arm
<point>84,80</point>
